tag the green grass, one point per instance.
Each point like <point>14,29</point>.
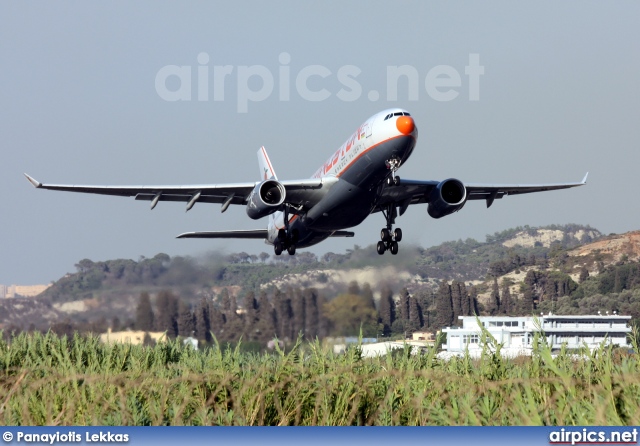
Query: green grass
<point>51,380</point>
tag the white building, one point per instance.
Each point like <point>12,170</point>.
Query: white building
<point>516,333</point>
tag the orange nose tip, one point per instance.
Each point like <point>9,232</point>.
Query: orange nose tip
<point>405,125</point>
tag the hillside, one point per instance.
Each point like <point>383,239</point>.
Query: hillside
<point>539,267</point>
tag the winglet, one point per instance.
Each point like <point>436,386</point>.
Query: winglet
<point>33,181</point>
<point>584,180</point>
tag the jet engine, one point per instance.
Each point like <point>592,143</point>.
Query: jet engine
<point>265,199</point>
<point>446,198</point>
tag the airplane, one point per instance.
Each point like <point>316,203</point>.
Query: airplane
<point>358,180</point>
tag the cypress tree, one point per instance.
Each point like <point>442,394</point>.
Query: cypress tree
<point>387,310</point>
<point>367,294</point>
<point>473,301</point>
<point>353,288</point>
<point>465,303</point>
<point>456,300</point>
<point>312,313</point>
<point>444,306</point>
<point>250,315</point>
<point>167,304</point>
<point>403,305</point>
<point>507,301</point>
<point>298,309</point>
<point>494,299</point>
<point>203,328</point>
<point>216,321</point>
<point>415,314</point>
<point>144,313</point>
<point>186,321</point>
<point>266,325</point>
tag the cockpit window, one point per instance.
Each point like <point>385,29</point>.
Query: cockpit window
<point>390,115</point>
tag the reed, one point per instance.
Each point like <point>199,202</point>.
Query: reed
<point>51,380</point>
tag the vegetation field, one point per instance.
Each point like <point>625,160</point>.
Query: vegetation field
<point>51,380</point>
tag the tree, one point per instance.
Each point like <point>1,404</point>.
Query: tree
<point>264,256</point>
<point>387,310</point>
<point>466,304</point>
<point>167,307</point>
<point>353,288</point>
<point>473,301</point>
<point>444,306</point>
<point>251,315</point>
<point>367,293</point>
<point>456,300</point>
<point>403,304</point>
<point>144,313</point>
<point>203,322</point>
<point>282,306</point>
<point>584,274</point>
<point>186,321</point>
<point>347,313</point>
<point>298,307</point>
<point>266,325</point>
<point>312,313</point>
<point>415,314</point>
<point>494,299</point>
<point>507,306</point>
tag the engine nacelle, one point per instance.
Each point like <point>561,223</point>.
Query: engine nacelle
<point>446,198</point>
<point>265,199</point>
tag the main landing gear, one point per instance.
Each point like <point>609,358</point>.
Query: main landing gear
<point>287,238</point>
<point>389,239</point>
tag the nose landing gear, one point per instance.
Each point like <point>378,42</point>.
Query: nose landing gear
<point>393,164</point>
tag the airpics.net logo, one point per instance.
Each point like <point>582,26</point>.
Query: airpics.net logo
<point>256,83</point>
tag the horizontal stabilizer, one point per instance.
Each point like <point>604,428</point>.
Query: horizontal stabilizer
<point>342,234</point>
<point>253,233</point>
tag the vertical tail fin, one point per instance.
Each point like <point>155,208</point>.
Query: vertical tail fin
<point>266,169</point>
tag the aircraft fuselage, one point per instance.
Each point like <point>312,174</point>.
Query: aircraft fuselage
<point>361,167</point>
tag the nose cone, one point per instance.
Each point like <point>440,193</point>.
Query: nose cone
<point>405,125</point>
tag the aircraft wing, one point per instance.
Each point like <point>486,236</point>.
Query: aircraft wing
<point>410,192</point>
<point>303,194</point>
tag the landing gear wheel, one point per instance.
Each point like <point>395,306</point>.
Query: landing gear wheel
<point>396,181</point>
<point>385,235</point>
<point>277,247</point>
<point>282,234</point>
<point>393,247</point>
<point>397,234</point>
<point>381,248</point>
<point>291,249</point>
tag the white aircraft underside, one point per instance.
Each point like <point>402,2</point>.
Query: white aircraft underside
<point>357,180</point>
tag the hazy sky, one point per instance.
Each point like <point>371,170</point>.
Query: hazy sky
<point>560,96</point>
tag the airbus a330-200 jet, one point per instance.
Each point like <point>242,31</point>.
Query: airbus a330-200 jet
<point>358,180</point>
